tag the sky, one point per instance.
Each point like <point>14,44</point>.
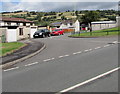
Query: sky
<point>56,5</point>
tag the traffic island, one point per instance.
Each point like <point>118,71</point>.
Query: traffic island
<point>32,48</point>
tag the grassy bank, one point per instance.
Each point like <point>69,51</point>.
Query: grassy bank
<point>98,33</point>
<point>6,48</point>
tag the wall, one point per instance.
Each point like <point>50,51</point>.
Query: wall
<point>26,31</point>
<point>102,26</point>
<point>42,27</point>
<point>27,24</point>
<point>2,23</point>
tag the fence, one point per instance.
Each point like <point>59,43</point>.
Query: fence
<point>104,32</point>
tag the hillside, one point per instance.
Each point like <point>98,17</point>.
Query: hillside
<point>45,18</point>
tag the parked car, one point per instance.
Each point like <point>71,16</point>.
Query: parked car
<point>57,32</point>
<point>42,33</point>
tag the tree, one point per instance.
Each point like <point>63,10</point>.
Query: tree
<point>76,13</point>
<point>89,17</point>
<point>63,18</point>
<point>28,14</point>
<point>38,17</point>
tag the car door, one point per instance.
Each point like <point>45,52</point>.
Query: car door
<point>47,32</point>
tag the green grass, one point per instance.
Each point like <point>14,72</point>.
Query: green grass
<point>6,48</point>
<point>99,33</point>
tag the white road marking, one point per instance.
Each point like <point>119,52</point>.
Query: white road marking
<point>90,49</point>
<point>63,56</point>
<point>86,50</point>
<point>52,58</point>
<point>90,80</point>
<point>115,42</point>
<point>48,59</point>
<point>11,69</point>
<point>66,55</point>
<point>31,64</point>
<point>77,53</point>
<point>97,47</point>
<point>106,45</point>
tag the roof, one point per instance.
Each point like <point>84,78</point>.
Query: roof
<point>68,21</point>
<point>62,22</point>
<point>104,22</point>
<point>56,23</point>
<point>15,19</point>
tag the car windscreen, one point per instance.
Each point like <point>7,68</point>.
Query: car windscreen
<point>56,30</point>
<point>41,31</point>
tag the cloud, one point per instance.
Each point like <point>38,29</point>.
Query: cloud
<point>60,1</point>
<point>57,6</point>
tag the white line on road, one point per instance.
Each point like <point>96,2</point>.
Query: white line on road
<point>90,80</point>
<point>63,56</point>
<point>66,55</point>
<point>115,42</point>
<point>31,64</point>
<point>106,45</point>
<point>90,50</point>
<point>86,50</point>
<point>97,47</point>
<point>77,53</point>
<point>11,69</point>
<point>48,59</point>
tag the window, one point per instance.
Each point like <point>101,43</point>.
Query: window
<point>71,24</point>
<point>18,24</point>
<point>24,24</point>
<point>8,23</point>
<point>20,31</point>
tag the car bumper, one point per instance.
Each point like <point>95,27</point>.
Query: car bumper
<point>37,36</point>
<point>54,34</point>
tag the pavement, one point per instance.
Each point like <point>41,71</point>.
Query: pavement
<point>31,47</point>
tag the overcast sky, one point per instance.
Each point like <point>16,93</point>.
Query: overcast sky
<point>57,5</point>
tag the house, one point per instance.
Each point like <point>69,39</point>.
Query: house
<point>13,29</point>
<point>67,24</point>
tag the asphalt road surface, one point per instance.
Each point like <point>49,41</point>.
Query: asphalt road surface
<point>65,63</point>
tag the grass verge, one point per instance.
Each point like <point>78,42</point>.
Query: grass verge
<point>7,48</point>
<point>98,33</point>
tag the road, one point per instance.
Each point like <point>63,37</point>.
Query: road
<point>64,63</point>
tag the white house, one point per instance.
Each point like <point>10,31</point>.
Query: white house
<point>14,29</point>
<point>67,24</point>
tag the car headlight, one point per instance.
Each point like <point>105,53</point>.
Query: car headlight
<point>40,33</point>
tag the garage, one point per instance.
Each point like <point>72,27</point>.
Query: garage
<point>11,34</point>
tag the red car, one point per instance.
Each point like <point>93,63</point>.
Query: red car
<point>57,32</point>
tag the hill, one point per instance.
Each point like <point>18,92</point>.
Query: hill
<point>45,18</point>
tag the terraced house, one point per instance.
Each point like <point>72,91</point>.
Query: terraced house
<point>13,29</point>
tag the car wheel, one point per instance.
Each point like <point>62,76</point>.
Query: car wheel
<point>43,36</point>
<point>49,35</point>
